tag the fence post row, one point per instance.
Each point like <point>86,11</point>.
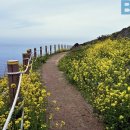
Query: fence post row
<point>13,66</point>
<point>13,69</point>
<point>13,79</point>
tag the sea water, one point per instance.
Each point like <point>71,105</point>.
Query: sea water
<point>14,52</point>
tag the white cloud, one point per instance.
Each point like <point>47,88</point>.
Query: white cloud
<point>60,19</point>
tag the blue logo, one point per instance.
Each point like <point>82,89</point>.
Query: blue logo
<point>125,7</point>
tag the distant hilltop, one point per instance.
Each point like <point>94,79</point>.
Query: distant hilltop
<point>124,33</point>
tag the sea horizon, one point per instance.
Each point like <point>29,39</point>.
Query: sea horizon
<point>14,52</point>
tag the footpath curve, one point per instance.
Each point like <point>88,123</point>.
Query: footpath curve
<point>74,110</point>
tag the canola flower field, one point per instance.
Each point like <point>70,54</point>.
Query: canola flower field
<point>101,71</point>
<point>34,95</point>
<point>33,100</point>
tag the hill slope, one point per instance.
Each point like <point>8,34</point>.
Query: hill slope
<point>101,72</point>
<point>124,33</point>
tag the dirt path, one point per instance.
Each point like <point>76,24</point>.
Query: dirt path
<point>76,113</point>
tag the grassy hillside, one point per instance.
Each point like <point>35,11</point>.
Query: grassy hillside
<point>124,33</point>
<point>101,72</point>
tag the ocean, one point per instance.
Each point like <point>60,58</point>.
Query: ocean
<point>14,52</point>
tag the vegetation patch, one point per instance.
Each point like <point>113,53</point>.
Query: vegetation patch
<point>101,72</point>
<point>39,61</point>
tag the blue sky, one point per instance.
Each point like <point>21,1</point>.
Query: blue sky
<point>59,20</point>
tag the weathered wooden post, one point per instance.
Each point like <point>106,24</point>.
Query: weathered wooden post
<point>65,47</point>
<point>13,79</point>
<point>40,51</point>
<point>54,48</point>
<point>29,51</point>
<point>58,47</point>
<point>50,49</point>
<point>35,53</point>
<point>61,46</point>
<point>45,50</point>
<point>26,57</point>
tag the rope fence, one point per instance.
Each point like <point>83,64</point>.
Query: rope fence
<point>15,76</point>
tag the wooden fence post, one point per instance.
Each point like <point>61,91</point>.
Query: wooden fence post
<point>40,51</point>
<point>26,57</point>
<point>61,47</point>
<point>50,50</point>
<point>35,53</point>
<point>46,50</point>
<point>65,47</point>
<point>13,79</point>
<point>58,47</point>
<point>54,48</point>
<point>29,51</point>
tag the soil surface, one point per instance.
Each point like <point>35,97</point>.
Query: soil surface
<point>74,110</point>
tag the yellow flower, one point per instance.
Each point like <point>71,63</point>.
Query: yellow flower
<point>40,99</point>
<point>128,89</point>
<point>113,104</point>
<point>56,124</point>
<point>44,109</point>
<point>43,126</point>
<point>26,125</point>
<point>17,121</point>
<point>13,85</point>
<point>54,101</point>
<point>121,117</point>
<point>50,116</point>
<point>57,108</point>
<point>43,91</point>
<point>62,122</point>
<point>48,94</point>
